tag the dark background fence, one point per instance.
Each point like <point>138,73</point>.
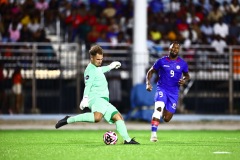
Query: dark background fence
<point>53,77</point>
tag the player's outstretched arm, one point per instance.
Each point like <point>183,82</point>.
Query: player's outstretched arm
<point>115,65</point>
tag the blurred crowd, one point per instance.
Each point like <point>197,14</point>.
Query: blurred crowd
<point>208,22</point>
<point>89,21</point>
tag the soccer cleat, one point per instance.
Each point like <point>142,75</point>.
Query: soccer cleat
<point>62,122</point>
<point>153,139</point>
<point>131,142</point>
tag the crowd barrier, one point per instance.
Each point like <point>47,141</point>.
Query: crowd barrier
<point>53,74</point>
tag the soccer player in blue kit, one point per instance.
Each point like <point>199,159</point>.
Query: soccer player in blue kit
<point>172,72</point>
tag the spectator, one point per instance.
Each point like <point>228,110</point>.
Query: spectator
<point>14,31</point>
<point>207,31</point>
<point>112,32</point>
<point>155,34</point>
<point>221,28</point>
<point>25,19</point>
<point>41,5</point>
<point>28,6</point>
<point>102,39</point>
<point>150,45</point>
<point>172,35</point>
<point>46,51</point>
<point>64,11</point>
<point>16,10</point>
<point>205,5</point>
<point>25,35</point>
<point>34,24</point>
<point>234,7</point>
<point>2,29</point>
<point>225,9</point>
<point>215,14</point>
<point>219,44</point>
<point>196,27</point>
<point>119,6</point>
<point>73,21</point>
<point>93,35</point>
<point>129,28</point>
<point>174,6</point>
<point>183,27</point>
<point>109,11</point>
<point>191,38</point>
<point>17,82</point>
<point>199,14</point>
<point>52,12</point>
<point>234,30</point>
<point>156,6</point>
<point>121,38</point>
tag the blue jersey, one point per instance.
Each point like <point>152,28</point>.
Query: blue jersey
<point>170,72</point>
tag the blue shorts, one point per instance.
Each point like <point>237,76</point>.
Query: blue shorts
<point>170,100</point>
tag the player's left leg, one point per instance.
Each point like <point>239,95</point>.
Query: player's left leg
<point>171,107</point>
<point>167,116</point>
<point>98,109</point>
<point>122,129</point>
<point>112,115</point>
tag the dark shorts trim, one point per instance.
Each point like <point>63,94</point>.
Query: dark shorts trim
<point>113,114</point>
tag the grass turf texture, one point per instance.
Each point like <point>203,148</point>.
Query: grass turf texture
<point>88,145</point>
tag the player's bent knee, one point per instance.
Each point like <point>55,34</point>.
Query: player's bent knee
<point>159,106</point>
<point>97,120</point>
<point>167,118</point>
<point>117,117</point>
<point>97,117</point>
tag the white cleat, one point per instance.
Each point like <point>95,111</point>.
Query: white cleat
<point>153,139</point>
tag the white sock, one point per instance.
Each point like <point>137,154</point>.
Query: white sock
<point>154,134</point>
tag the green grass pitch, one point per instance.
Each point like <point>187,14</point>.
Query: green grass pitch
<point>88,145</point>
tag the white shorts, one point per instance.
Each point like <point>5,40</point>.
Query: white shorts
<point>17,88</point>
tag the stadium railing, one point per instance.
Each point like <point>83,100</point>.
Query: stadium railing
<point>54,74</point>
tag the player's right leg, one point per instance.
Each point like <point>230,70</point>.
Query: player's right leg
<point>157,114</point>
<point>167,116</point>
<point>95,116</point>
<point>85,117</point>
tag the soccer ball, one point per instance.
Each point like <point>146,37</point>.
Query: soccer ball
<point>110,137</point>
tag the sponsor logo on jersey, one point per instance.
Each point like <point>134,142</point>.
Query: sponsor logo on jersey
<point>178,67</point>
<point>166,66</point>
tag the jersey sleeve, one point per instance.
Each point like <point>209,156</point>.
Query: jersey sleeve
<point>156,65</point>
<point>105,69</point>
<point>185,68</point>
<point>89,79</point>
